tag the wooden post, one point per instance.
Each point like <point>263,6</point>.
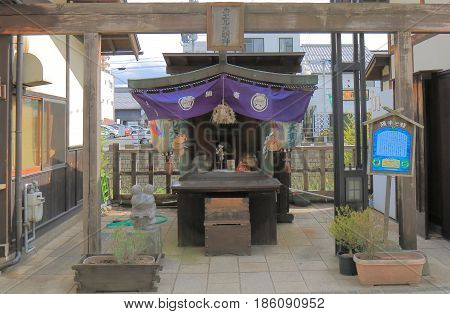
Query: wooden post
<point>5,153</point>
<point>91,143</point>
<point>387,206</point>
<point>406,186</point>
<point>305,171</point>
<point>116,171</point>
<point>150,167</point>
<point>322,169</point>
<point>168,176</point>
<point>133,168</point>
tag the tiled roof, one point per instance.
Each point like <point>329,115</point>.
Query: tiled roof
<point>316,55</point>
<point>124,100</point>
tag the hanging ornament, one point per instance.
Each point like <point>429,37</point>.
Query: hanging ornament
<point>287,163</point>
<point>178,144</point>
<point>169,166</point>
<point>223,114</point>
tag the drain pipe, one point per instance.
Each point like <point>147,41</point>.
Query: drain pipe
<point>18,174</point>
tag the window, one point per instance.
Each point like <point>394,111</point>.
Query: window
<point>43,134</point>
<point>253,44</point>
<point>286,44</point>
<point>53,134</point>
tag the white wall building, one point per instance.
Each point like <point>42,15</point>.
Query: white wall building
<point>107,96</point>
<point>254,43</point>
<point>317,61</point>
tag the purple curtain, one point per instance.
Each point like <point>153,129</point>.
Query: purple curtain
<point>251,100</point>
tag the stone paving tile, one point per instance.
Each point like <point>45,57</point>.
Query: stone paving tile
<point>44,284</point>
<point>291,287</point>
<point>319,280</point>
<point>303,261</point>
<point>223,278</point>
<point>224,288</point>
<point>194,268</point>
<point>171,264</point>
<point>191,283</point>
<point>252,259</point>
<point>36,257</point>
<point>276,249</point>
<point>20,271</point>
<point>223,264</point>
<point>257,250</point>
<point>316,233</point>
<point>323,245</point>
<point>58,266</point>
<point>442,254</point>
<point>7,283</point>
<point>253,267</point>
<point>305,253</point>
<point>256,283</point>
<point>195,258</point>
<point>312,265</point>
<point>167,282</point>
<point>72,247</point>
<point>286,276</point>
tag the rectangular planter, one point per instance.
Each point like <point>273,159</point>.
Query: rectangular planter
<point>390,268</point>
<point>91,278</point>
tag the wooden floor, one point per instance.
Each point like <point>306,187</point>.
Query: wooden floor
<point>302,262</point>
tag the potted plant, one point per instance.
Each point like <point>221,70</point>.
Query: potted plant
<point>377,267</point>
<point>123,271</point>
<point>342,230</point>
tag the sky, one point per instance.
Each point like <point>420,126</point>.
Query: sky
<point>152,63</point>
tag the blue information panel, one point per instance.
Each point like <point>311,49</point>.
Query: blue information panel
<point>391,150</point>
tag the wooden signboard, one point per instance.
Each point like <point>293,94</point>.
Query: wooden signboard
<point>391,151</point>
<point>225,26</point>
<point>392,145</point>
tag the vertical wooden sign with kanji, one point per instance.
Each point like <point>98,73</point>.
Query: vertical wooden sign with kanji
<point>225,26</point>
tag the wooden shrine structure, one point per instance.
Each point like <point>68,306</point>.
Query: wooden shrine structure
<point>94,20</point>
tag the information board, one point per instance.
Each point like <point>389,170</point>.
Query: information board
<point>392,147</point>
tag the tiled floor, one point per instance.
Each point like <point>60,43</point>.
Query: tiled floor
<point>302,262</point>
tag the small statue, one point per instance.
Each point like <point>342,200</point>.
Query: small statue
<point>221,154</point>
<point>143,207</point>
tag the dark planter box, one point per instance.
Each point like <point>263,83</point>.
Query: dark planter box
<point>91,278</point>
<point>347,266</point>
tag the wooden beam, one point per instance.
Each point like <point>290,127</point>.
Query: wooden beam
<point>91,144</point>
<point>114,18</point>
<point>134,45</point>
<point>406,186</point>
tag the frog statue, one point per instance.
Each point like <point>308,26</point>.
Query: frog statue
<point>143,207</point>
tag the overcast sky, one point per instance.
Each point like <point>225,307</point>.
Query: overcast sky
<point>152,64</point>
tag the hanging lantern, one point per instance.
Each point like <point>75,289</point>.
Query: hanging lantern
<point>223,114</point>
<point>272,143</point>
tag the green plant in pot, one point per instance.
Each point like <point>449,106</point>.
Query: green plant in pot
<point>342,229</point>
<point>127,269</point>
<point>128,246</point>
<point>375,266</point>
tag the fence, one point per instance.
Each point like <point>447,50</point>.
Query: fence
<point>312,168</point>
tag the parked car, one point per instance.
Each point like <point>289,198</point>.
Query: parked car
<point>135,129</point>
<point>120,128</point>
<point>143,136</point>
<point>109,132</point>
